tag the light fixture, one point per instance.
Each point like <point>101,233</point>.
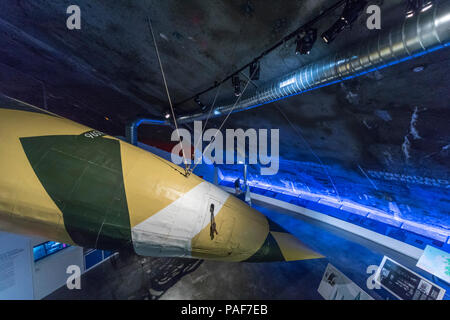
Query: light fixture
<point>237,86</point>
<point>200,104</point>
<point>305,41</point>
<point>415,6</point>
<point>254,70</point>
<point>216,112</point>
<point>426,6</point>
<point>331,34</point>
<point>166,115</point>
<point>351,12</point>
<point>411,8</point>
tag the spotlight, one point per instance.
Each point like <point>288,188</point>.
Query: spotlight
<point>200,104</point>
<point>331,34</point>
<point>237,86</point>
<point>305,41</point>
<point>411,8</point>
<point>254,70</point>
<point>351,12</point>
<point>426,5</point>
<point>166,115</point>
<point>415,6</point>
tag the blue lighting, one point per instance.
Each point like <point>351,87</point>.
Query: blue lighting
<point>47,248</point>
<point>395,62</point>
<point>401,217</point>
<point>148,121</point>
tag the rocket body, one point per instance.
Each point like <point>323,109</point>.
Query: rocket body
<point>69,183</point>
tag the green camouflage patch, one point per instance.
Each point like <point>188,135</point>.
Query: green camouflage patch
<point>83,176</point>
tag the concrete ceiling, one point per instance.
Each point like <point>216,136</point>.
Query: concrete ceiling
<point>107,74</point>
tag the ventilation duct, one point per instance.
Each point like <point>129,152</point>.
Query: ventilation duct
<point>424,33</point>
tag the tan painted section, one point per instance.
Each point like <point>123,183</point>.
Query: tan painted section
<point>242,231</point>
<point>151,183</point>
<point>292,248</point>
<point>25,206</point>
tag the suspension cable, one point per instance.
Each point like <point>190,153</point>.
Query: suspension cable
<point>206,122</point>
<point>296,130</point>
<point>226,118</point>
<point>214,103</point>
<point>168,95</point>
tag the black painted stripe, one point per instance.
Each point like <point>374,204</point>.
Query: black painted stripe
<point>269,251</point>
<point>83,176</point>
<point>275,226</point>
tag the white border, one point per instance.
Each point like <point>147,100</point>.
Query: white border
<point>377,276</point>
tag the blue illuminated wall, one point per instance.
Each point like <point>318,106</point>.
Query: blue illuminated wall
<point>93,257</point>
<point>47,248</point>
<point>408,208</point>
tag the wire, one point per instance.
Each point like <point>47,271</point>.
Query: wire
<point>233,57</point>
<point>206,122</point>
<point>168,95</point>
<point>44,91</point>
<point>228,115</point>
<point>272,48</point>
<point>311,150</point>
<point>212,108</point>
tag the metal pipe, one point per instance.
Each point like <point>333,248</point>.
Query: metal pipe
<point>131,129</point>
<point>424,33</point>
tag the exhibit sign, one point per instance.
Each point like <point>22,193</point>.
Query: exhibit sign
<point>15,267</point>
<point>336,286</point>
<point>406,284</point>
<point>436,262</point>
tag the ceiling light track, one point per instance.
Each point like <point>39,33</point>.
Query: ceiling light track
<point>256,61</point>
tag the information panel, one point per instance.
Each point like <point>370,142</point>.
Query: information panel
<point>336,286</point>
<point>406,284</point>
<point>15,267</point>
<point>436,262</point>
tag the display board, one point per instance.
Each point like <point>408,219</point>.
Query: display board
<point>336,286</point>
<point>16,280</point>
<point>406,284</point>
<point>436,262</point>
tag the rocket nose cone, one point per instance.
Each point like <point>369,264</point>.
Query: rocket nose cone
<point>281,245</point>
